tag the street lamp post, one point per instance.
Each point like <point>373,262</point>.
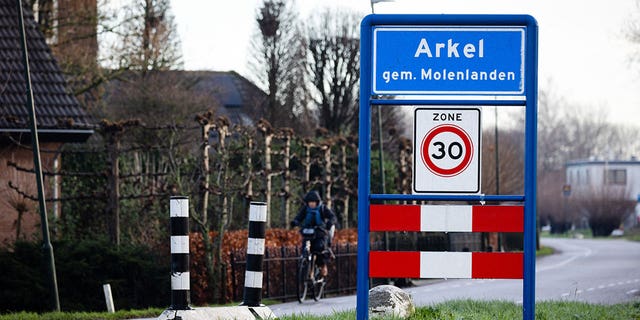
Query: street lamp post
<point>44,223</point>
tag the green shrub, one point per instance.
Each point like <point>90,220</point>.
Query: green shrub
<point>138,276</point>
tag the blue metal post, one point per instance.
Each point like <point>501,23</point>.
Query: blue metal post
<point>531,131</point>
<point>364,172</point>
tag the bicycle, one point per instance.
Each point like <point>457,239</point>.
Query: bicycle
<point>309,278</point>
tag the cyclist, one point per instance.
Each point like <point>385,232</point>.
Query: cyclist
<point>315,214</point>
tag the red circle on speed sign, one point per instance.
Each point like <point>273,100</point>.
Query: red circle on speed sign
<point>447,150</point>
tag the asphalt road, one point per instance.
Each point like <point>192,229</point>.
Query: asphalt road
<point>594,271</point>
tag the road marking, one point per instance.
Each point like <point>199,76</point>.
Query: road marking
<point>586,252</point>
<point>632,292</point>
<point>611,285</point>
<point>591,289</point>
<point>578,291</point>
<point>620,283</point>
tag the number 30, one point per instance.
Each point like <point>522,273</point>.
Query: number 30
<point>454,153</point>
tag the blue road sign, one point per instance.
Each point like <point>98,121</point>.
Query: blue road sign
<point>434,57</point>
<point>448,60</point>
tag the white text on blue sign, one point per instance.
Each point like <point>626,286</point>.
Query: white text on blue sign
<point>420,60</point>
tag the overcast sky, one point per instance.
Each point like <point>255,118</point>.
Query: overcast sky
<point>583,49</point>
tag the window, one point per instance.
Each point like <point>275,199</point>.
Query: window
<point>617,176</point>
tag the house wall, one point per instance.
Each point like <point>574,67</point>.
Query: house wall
<point>10,199</point>
<point>585,177</point>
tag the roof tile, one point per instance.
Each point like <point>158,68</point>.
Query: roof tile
<point>55,108</point>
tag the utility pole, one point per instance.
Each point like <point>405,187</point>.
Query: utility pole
<point>46,243</point>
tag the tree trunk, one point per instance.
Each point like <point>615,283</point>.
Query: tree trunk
<point>113,207</point>
<point>286,176</point>
<point>249,176</point>
<point>222,129</point>
<point>206,171</point>
<point>346,187</point>
<point>203,222</point>
<point>328,179</point>
<point>307,166</point>
<point>267,171</point>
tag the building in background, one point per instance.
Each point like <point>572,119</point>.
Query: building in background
<point>586,177</point>
<point>60,120</point>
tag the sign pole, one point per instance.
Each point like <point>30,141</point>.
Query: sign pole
<point>530,172</point>
<point>364,176</point>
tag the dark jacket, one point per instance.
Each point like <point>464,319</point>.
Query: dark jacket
<point>328,217</point>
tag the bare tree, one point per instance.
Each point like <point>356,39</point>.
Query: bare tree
<point>570,132</point>
<point>279,51</point>
<point>510,161</point>
<point>148,38</point>
<point>605,208</point>
<point>334,69</point>
<point>156,98</point>
<point>632,32</point>
<point>95,42</point>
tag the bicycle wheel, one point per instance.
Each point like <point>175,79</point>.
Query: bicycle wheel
<point>303,275</point>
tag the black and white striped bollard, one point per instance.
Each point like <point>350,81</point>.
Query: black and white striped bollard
<point>180,294</point>
<point>255,254</point>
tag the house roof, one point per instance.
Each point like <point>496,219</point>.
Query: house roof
<point>233,95</point>
<point>59,115</point>
<point>241,100</point>
<point>583,163</point>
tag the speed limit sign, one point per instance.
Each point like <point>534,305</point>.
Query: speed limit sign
<point>447,150</point>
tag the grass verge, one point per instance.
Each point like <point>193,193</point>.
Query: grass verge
<point>499,310</point>
<point>118,315</point>
<point>632,234</point>
<point>544,251</point>
<point>452,310</point>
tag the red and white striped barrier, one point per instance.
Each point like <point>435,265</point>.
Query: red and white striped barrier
<point>446,218</point>
<point>462,265</point>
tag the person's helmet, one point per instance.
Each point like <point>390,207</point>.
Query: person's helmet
<point>312,196</point>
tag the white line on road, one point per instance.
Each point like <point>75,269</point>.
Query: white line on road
<point>632,292</point>
<point>585,253</point>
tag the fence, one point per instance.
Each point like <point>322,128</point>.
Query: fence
<point>280,263</point>
<point>280,266</point>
